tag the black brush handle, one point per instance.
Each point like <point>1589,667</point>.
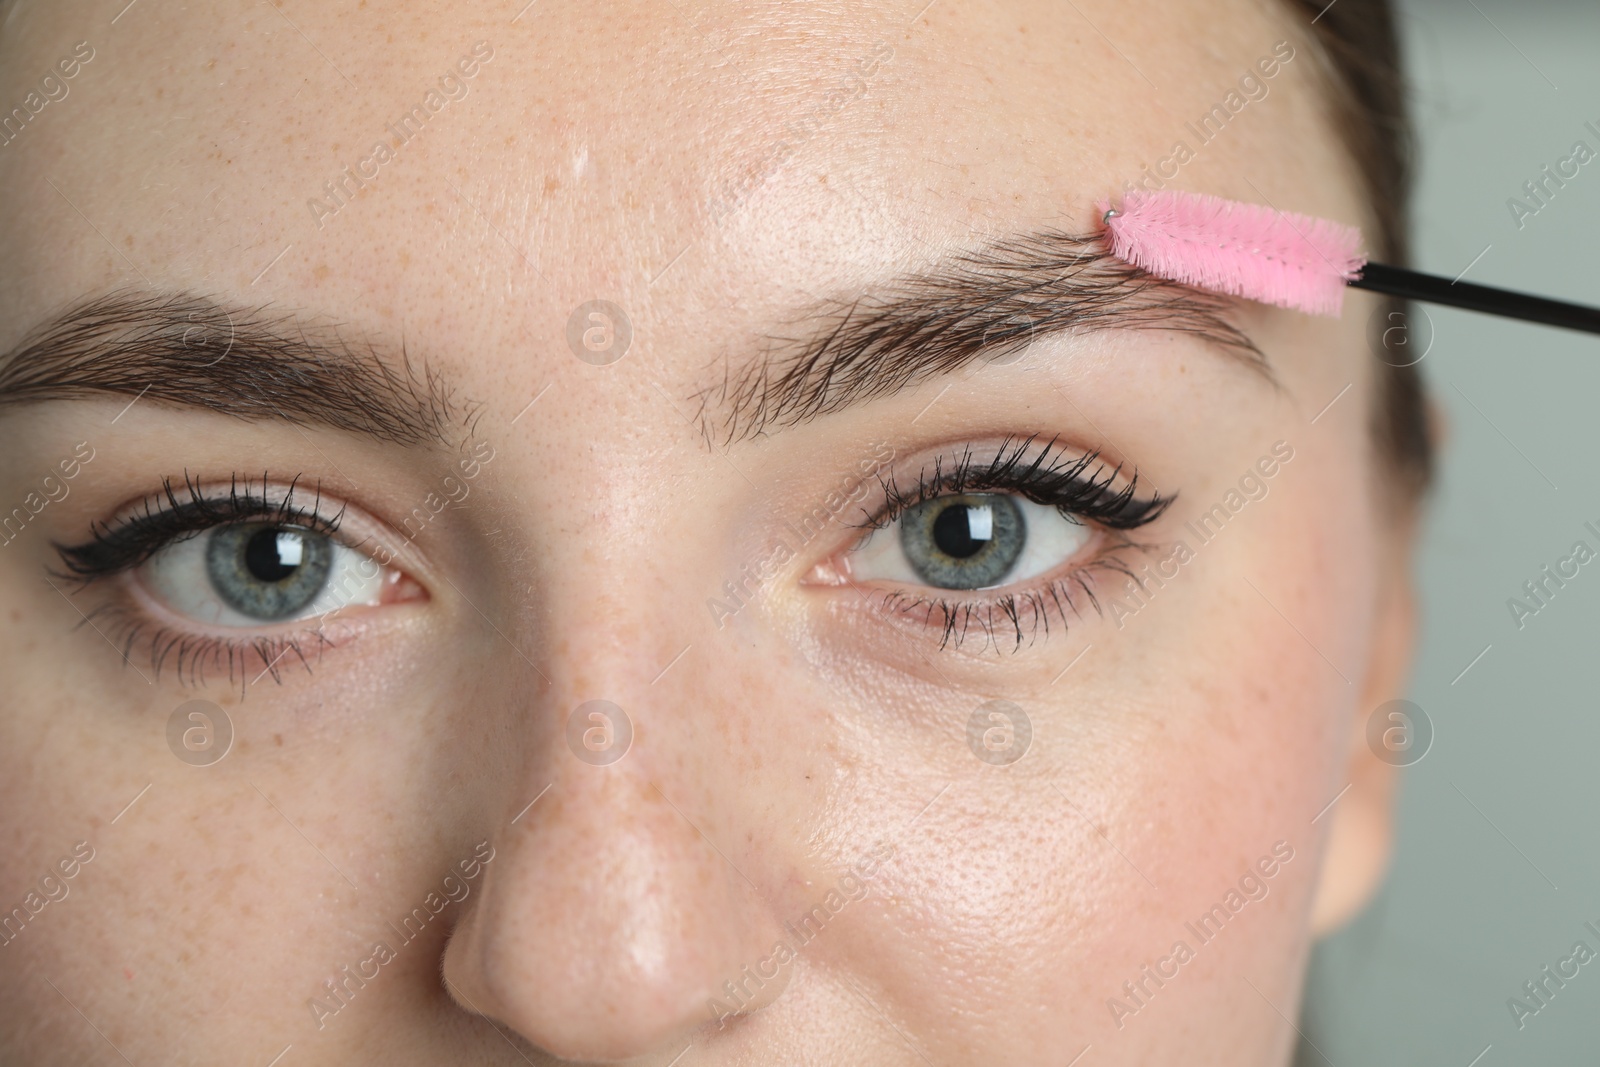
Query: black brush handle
<point>1415,285</point>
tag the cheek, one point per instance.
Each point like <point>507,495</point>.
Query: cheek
<point>1173,757</point>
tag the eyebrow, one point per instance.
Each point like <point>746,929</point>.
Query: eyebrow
<point>977,304</point>
<point>251,363</point>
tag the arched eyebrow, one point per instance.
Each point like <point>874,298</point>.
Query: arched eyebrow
<point>191,350</point>
<point>975,304</point>
<point>250,363</point>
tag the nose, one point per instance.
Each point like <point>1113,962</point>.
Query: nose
<point>607,925</point>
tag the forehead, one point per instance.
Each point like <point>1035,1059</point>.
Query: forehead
<point>469,177</point>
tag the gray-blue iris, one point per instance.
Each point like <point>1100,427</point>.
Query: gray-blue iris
<point>267,571</point>
<point>963,542</point>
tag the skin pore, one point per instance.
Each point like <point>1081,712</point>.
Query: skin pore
<point>743,182</point>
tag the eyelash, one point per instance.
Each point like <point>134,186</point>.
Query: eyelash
<point>1080,488</point>
<point>124,544</point>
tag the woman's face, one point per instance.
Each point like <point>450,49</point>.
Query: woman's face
<point>675,358</point>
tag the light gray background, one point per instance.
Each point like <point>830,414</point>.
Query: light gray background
<point>1498,862</point>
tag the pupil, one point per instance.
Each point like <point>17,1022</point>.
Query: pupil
<point>272,555</point>
<point>962,531</point>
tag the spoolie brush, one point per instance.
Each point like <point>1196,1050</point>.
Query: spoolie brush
<point>1293,261</point>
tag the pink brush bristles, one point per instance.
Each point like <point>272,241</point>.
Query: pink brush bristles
<point>1293,261</point>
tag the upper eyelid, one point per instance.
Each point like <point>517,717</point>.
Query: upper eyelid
<point>263,497</point>
<point>135,533</point>
<point>1019,461</point>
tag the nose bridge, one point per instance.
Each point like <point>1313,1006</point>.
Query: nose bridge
<point>615,586</point>
<point>623,639</point>
<point>622,556</point>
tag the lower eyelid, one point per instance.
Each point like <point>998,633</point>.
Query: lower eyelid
<point>153,647</point>
<point>154,639</point>
<point>1009,618</point>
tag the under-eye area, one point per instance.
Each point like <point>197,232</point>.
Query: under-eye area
<point>995,540</point>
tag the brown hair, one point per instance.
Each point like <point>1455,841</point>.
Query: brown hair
<point>1360,53</point>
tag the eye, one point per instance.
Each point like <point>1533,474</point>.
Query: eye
<point>970,541</point>
<point>250,573</point>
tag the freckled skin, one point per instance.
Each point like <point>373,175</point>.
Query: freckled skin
<point>771,754</point>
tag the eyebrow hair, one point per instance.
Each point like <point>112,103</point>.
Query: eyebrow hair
<point>250,363</point>
<point>981,303</point>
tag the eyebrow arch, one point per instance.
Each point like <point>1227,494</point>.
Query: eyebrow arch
<point>251,363</point>
<point>977,304</point>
